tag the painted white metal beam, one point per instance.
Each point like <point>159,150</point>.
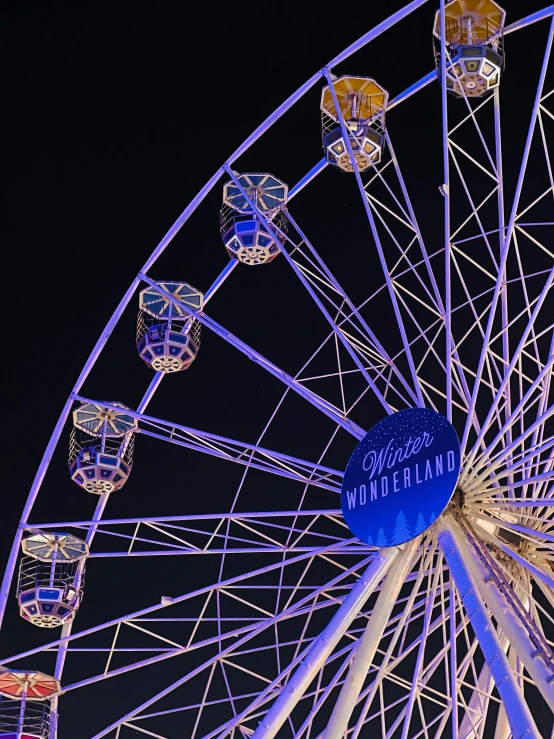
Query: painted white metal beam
<point>510,623</point>
<point>367,646</point>
<point>458,557</point>
<point>325,643</point>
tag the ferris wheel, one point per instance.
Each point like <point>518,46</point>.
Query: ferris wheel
<point>401,584</point>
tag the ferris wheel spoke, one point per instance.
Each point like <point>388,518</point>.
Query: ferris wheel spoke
<point>369,641</point>
<point>475,711</point>
<point>327,408</point>
<point>503,385</point>
<point>231,651</point>
<point>524,279</point>
<point>484,493</point>
<point>234,451</point>
<point>379,208</point>
<point>227,582</point>
<point>417,679</point>
<point>474,214</point>
<point>374,345</point>
<point>396,626</point>
<point>445,191</point>
<point>235,652</point>
<point>460,561</point>
<point>387,377</point>
<point>544,110</point>
<point>526,460</point>
<point>539,539</point>
<point>218,543</point>
<point>369,214</point>
<point>321,696</point>
<point>393,214</point>
<point>532,648</point>
<point>501,394</point>
<point>404,244</point>
<point>385,673</point>
<point>494,461</point>
<point>267,693</point>
<point>510,228</point>
<point>325,644</point>
<point>360,327</point>
<point>527,20</point>
<point>516,485</point>
<point>419,344</point>
<point>375,570</point>
<point>479,315</point>
<point>462,369</point>
<point>546,192</point>
<point>430,351</point>
<point>540,570</point>
<point>413,220</point>
<point>413,695</point>
<point>331,513</point>
<point>387,664</point>
<point>253,710</point>
<point>459,378</point>
<point>317,262</point>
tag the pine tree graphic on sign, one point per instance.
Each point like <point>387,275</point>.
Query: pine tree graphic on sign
<point>401,531</point>
<point>432,518</point>
<point>420,524</point>
<point>382,539</point>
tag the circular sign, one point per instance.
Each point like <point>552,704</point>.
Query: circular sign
<point>400,477</point>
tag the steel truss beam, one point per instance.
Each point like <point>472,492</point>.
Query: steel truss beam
<point>503,259</point>
<point>324,645</point>
<point>459,559</point>
<point>511,616</point>
<point>171,233</point>
<point>319,403</point>
<point>375,234</point>
<point>378,564</point>
<point>368,643</point>
<point>158,251</point>
<point>234,451</point>
<point>299,273</point>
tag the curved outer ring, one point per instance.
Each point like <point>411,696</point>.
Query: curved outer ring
<point>172,232</point>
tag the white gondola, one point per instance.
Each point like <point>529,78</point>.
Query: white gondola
<point>101,447</point>
<point>51,578</point>
<point>246,236</point>
<point>168,336</point>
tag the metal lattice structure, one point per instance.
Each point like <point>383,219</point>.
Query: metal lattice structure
<point>298,629</point>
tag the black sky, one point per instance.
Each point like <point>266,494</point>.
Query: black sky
<point>114,115</point>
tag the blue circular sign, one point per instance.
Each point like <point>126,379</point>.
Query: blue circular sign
<point>400,477</point>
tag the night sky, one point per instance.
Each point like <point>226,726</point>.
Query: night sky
<point>115,115</point>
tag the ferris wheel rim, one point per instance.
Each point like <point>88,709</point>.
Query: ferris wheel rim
<point>137,281</point>
<point>194,203</point>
